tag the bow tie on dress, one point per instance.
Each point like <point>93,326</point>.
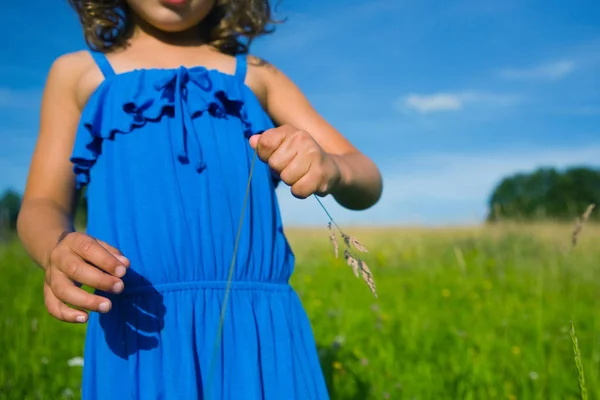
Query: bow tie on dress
<point>175,87</point>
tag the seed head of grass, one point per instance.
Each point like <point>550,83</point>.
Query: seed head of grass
<point>351,241</point>
<point>333,239</point>
<point>359,267</point>
<point>351,261</point>
<point>580,222</point>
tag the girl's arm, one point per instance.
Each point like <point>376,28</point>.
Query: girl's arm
<point>49,198</point>
<point>358,185</point>
<point>45,224</point>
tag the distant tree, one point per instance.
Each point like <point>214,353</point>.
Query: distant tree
<point>10,203</point>
<point>82,210</point>
<point>546,194</point>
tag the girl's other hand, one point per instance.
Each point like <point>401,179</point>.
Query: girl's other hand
<point>324,162</point>
<point>80,259</point>
<point>298,160</point>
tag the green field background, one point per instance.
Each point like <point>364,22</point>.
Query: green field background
<point>462,313</point>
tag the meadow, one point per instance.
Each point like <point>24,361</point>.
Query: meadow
<point>462,313</point>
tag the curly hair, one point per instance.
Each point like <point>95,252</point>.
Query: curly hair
<point>230,27</point>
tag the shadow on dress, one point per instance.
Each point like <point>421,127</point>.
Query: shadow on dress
<point>135,320</point>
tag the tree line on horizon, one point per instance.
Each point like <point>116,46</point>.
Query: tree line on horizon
<point>541,195</point>
<point>545,194</point>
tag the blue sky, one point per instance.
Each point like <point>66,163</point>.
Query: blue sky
<point>446,96</point>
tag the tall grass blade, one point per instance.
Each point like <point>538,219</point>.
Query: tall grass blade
<point>578,363</point>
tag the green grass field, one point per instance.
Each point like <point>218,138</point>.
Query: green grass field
<point>470,313</point>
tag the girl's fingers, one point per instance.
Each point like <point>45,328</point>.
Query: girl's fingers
<point>60,310</point>
<point>92,251</point>
<point>294,171</point>
<point>254,141</point>
<point>110,248</point>
<point>305,186</point>
<point>285,154</point>
<point>76,269</point>
<point>269,141</point>
<point>65,290</point>
<point>115,252</point>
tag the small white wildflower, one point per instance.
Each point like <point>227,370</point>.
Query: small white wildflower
<point>75,362</point>
<point>564,329</point>
<point>338,341</point>
<point>533,375</point>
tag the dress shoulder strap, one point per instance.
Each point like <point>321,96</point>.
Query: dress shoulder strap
<point>103,64</point>
<point>241,66</point>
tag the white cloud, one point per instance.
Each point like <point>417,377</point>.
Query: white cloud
<point>434,102</point>
<point>437,102</point>
<point>550,71</point>
<point>437,188</point>
<point>15,99</point>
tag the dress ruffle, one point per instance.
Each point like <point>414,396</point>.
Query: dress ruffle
<point>183,94</point>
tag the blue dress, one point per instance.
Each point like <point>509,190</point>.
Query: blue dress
<point>164,155</point>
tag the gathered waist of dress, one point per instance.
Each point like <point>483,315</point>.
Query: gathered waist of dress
<point>254,286</point>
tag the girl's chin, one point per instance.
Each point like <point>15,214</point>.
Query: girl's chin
<point>175,3</point>
<point>170,21</point>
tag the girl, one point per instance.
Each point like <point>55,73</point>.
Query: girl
<point>161,121</point>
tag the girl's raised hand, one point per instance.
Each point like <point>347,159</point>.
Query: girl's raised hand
<point>299,160</point>
<point>81,259</point>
